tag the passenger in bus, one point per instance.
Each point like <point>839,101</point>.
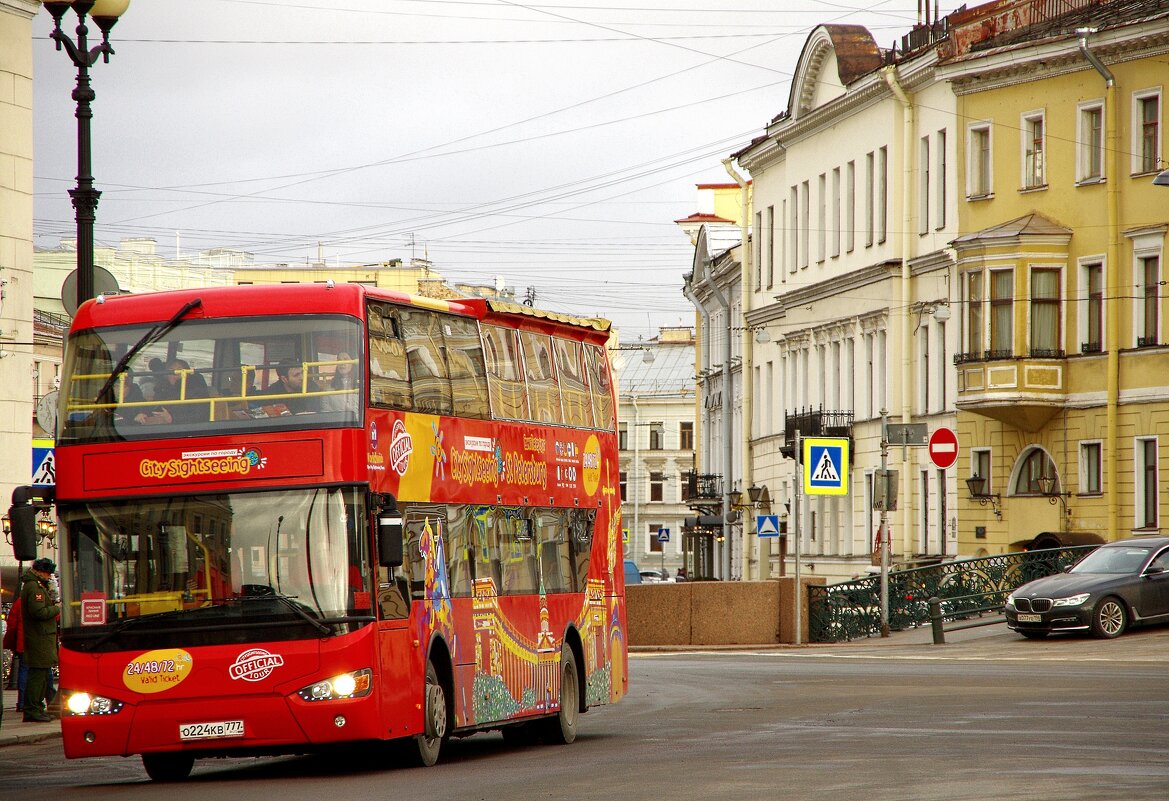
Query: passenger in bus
<point>290,382</point>
<point>172,389</point>
<point>344,384</point>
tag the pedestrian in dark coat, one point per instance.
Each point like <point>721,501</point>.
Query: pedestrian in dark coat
<point>38,596</point>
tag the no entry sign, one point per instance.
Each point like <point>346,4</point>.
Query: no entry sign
<point>943,447</point>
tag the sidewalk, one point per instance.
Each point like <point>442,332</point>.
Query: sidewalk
<point>13,730</point>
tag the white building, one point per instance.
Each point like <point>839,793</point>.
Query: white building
<point>656,438</point>
<point>848,288</point>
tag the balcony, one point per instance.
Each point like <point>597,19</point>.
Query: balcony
<point>1022,391</point>
<point>814,423</point>
<point>703,488</point>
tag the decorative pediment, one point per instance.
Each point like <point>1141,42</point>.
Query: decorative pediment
<point>834,56</point>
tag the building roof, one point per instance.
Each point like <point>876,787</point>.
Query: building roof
<point>670,372</point>
<point>1028,225</point>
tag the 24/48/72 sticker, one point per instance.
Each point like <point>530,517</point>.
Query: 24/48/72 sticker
<point>157,671</point>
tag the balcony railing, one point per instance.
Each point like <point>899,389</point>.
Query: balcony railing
<point>1089,347</point>
<point>702,487</point>
<point>1147,342</point>
<point>1047,353</point>
<point>814,423</point>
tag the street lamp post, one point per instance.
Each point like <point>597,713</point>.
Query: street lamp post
<point>105,13</point>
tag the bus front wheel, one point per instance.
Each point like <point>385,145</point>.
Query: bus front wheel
<point>429,742</point>
<point>168,767</point>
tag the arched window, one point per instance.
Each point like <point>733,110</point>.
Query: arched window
<point>1033,467</point>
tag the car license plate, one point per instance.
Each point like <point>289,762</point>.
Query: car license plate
<point>211,731</point>
<point>1023,618</point>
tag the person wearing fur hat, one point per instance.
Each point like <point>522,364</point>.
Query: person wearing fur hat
<point>38,597</point>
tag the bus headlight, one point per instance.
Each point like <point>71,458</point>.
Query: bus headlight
<point>355,684</point>
<point>86,704</point>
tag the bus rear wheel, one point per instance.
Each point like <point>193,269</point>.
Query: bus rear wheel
<point>429,742</point>
<point>561,730</point>
<point>168,767</point>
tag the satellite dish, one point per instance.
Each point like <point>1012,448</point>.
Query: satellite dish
<point>104,283</point>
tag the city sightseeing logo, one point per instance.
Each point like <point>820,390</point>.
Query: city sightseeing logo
<point>255,664</point>
<point>401,446</point>
<point>194,464</point>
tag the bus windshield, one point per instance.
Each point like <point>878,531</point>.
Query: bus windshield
<point>283,564</point>
<point>202,376</point>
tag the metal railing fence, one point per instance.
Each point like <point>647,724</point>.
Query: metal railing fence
<point>852,609</point>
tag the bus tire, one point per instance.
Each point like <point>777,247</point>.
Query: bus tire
<point>435,715</point>
<point>561,730</point>
<point>170,767</point>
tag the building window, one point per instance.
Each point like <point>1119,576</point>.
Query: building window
<point>821,218</point>
<point>1002,317</point>
<point>974,312</point>
<point>1093,320</point>
<point>835,242</point>
<point>651,531</point>
<point>794,225</point>
<point>1091,141</point>
<point>1035,465</point>
<point>624,478</point>
<point>978,170</point>
<point>1090,464</point>
<point>850,207</point>
<point>1146,500</point>
<point>923,544</point>
<point>657,436</point>
<point>923,384</point>
<point>1034,176</point>
<point>940,193</point>
<point>980,468</point>
<point>759,233</point>
<point>1147,132</point>
<point>657,484</point>
<point>770,246</point>
<point>923,187</point>
<point>686,435</point>
<point>1045,311</point>
<point>622,436</point>
<point>684,486</point>
<point>805,224</point>
<point>870,165</point>
<point>1149,297</point>
<point>882,194</point>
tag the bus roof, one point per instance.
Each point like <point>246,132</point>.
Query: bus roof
<point>244,301</point>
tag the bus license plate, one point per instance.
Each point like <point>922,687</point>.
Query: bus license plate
<point>211,731</point>
<point>1023,618</point>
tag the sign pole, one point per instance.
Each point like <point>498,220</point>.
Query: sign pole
<point>799,618</point>
<point>882,528</point>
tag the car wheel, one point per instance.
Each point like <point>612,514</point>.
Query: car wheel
<point>1034,635</point>
<point>1109,618</point>
<point>168,767</point>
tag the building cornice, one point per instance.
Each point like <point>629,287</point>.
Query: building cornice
<point>1027,62</point>
<point>25,8</point>
<point>832,287</point>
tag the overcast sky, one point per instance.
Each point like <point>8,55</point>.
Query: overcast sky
<point>551,144</point>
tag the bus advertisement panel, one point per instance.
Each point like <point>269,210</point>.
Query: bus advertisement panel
<point>302,515</point>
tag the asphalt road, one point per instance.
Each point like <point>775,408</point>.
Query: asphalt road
<point>996,717</point>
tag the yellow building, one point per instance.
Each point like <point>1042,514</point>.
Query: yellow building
<point>414,277</point>
<point>1063,374</point>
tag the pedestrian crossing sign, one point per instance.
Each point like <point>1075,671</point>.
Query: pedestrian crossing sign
<point>826,466</point>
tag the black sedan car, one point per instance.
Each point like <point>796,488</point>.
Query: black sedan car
<point>1118,585</point>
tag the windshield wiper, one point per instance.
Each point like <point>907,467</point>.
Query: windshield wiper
<point>129,622</point>
<point>290,603</point>
<point>149,338</point>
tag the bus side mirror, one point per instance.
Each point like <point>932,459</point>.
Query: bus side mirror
<point>23,519</point>
<point>389,538</point>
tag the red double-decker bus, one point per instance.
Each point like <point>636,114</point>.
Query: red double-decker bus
<point>301,515</point>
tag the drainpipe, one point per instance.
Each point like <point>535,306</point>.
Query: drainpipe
<point>908,125</point>
<point>635,535</point>
<point>746,471</point>
<point>1112,150</point>
<point>703,326</point>
<point>728,423</point>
